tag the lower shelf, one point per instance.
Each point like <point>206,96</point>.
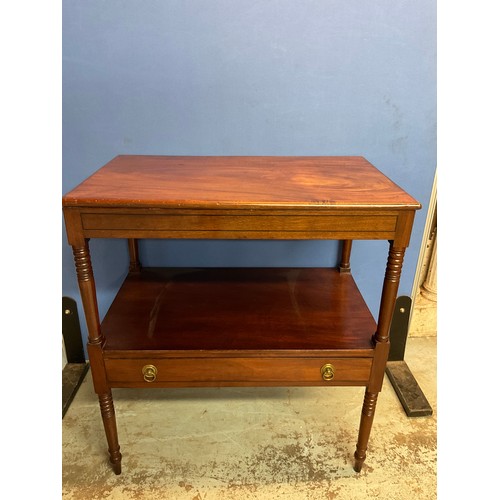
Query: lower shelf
<point>239,309</point>
<point>237,327</point>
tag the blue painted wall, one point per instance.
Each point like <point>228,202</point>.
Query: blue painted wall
<point>250,77</point>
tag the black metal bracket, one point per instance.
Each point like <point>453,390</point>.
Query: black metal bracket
<point>409,392</point>
<point>75,370</point>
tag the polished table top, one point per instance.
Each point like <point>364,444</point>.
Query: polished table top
<point>239,182</point>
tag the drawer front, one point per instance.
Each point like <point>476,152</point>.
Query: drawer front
<point>235,226</point>
<point>196,372</point>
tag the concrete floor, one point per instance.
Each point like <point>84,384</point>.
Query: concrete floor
<point>253,443</point>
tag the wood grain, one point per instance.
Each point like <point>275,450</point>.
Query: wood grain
<point>238,327</point>
<point>229,371</point>
<point>238,309</point>
<point>236,182</point>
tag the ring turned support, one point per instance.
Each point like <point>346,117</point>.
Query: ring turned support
<point>86,283</point>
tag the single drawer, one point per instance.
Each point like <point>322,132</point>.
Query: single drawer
<point>237,371</point>
<point>205,222</point>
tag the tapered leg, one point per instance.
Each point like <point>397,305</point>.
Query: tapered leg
<point>109,421</point>
<point>365,426</point>
<point>94,347</point>
<point>381,343</point>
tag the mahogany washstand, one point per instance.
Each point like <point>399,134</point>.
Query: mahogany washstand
<point>238,326</point>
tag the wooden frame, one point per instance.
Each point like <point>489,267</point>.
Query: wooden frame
<point>249,327</point>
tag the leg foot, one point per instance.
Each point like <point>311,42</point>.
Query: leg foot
<point>109,421</point>
<point>365,426</point>
<point>117,468</point>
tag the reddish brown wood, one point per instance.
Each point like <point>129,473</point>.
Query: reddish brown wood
<point>95,341</point>
<point>245,225</point>
<point>345,262</point>
<point>188,226</point>
<point>389,292</point>
<point>365,426</point>
<point>109,421</point>
<point>380,355</point>
<point>224,371</point>
<point>87,291</point>
<point>235,182</point>
<point>96,359</point>
<point>133,250</point>
<point>238,309</point>
<point>403,229</point>
<point>238,327</point>
<point>74,228</point>
<point>381,339</point>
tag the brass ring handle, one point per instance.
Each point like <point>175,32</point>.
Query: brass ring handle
<point>328,372</point>
<point>149,372</point>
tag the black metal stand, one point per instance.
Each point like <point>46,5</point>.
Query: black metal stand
<point>75,370</point>
<point>409,392</point>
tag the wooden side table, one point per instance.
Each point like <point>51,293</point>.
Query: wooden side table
<point>238,326</point>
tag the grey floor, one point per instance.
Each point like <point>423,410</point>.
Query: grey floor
<point>253,443</point>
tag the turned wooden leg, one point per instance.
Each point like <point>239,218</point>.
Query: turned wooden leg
<point>109,421</point>
<point>86,284</point>
<point>365,426</point>
<point>345,262</point>
<point>389,292</point>
<point>94,347</point>
<point>381,343</point>
<point>133,250</point>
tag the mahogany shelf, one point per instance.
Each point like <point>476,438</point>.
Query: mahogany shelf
<point>239,309</point>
